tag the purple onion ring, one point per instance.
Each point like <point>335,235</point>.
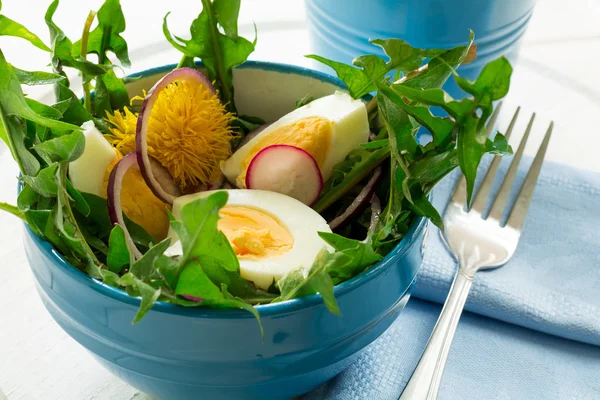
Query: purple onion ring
<point>360,202</point>
<point>115,184</point>
<point>141,143</point>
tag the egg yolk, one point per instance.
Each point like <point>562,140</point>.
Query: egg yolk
<point>254,234</point>
<point>312,134</point>
<point>139,203</point>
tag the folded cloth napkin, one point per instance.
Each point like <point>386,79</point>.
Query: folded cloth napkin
<point>551,285</point>
<point>488,360</point>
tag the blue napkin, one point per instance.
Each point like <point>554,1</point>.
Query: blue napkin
<point>488,360</point>
<point>551,285</point>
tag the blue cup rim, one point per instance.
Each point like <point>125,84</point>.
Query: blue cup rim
<point>271,309</point>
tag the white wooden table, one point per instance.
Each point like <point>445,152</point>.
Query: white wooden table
<point>557,76</point>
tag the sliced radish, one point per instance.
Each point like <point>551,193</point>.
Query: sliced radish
<point>115,184</point>
<point>141,144</point>
<point>359,203</point>
<point>288,170</point>
<point>375,212</point>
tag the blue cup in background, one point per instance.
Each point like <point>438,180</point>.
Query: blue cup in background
<point>341,29</point>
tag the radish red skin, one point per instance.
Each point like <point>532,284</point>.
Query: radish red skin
<point>304,182</point>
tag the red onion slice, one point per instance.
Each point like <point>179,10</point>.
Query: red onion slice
<point>115,184</point>
<point>164,177</point>
<point>251,135</point>
<point>192,298</point>
<point>141,143</point>
<point>359,203</point>
<point>375,212</point>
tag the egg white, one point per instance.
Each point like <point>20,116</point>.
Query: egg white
<point>301,221</point>
<point>350,128</point>
<point>87,172</point>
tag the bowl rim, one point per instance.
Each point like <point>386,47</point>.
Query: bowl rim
<point>270,309</point>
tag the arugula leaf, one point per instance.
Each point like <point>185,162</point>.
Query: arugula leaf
<point>13,102</point>
<point>12,132</point>
<point>76,113</point>
<point>493,81</point>
<point>145,267</point>
<point>433,166</point>
<point>68,229</point>
<point>107,35</point>
<point>301,282</point>
<point>304,101</point>
<point>44,183</point>
<point>226,13</point>
<point>42,109</point>
<point>359,81</point>
<point>148,294</point>
<point>78,200</point>
<point>347,174</point>
<point>38,221</point>
<point>421,205</point>
<point>403,144</point>
<point>361,254</point>
<point>33,78</point>
<point>403,58</point>
<point>144,278</point>
<point>99,218</point>
<point>109,277</point>
<point>63,148</point>
<point>62,49</point>
<point>499,146</point>
<point>442,66</point>
<point>118,252</point>
<point>193,281</point>
<point>468,126</point>
<point>166,268</point>
<point>27,198</point>
<point>199,235</point>
<point>110,94</point>
<point>8,27</point>
<point>375,144</point>
<point>220,52</point>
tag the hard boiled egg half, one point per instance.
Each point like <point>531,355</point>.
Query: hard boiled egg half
<point>269,232</point>
<point>327,128</point>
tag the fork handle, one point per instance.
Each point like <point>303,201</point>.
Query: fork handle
<point>425,381</point>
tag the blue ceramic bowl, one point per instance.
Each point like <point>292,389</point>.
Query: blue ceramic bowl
<point>183,353</point>
<point>341,30</point>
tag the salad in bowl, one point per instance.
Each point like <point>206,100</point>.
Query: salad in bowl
<point>204,187</point>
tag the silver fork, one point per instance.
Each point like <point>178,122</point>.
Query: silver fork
<point>478,242</point>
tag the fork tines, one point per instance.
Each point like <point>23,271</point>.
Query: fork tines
<point>499,203</point>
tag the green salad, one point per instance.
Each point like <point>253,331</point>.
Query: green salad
<point>173,195</point>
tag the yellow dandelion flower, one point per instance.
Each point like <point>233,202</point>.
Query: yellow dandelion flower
<point>189,133</point>
<point>122,132</point>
